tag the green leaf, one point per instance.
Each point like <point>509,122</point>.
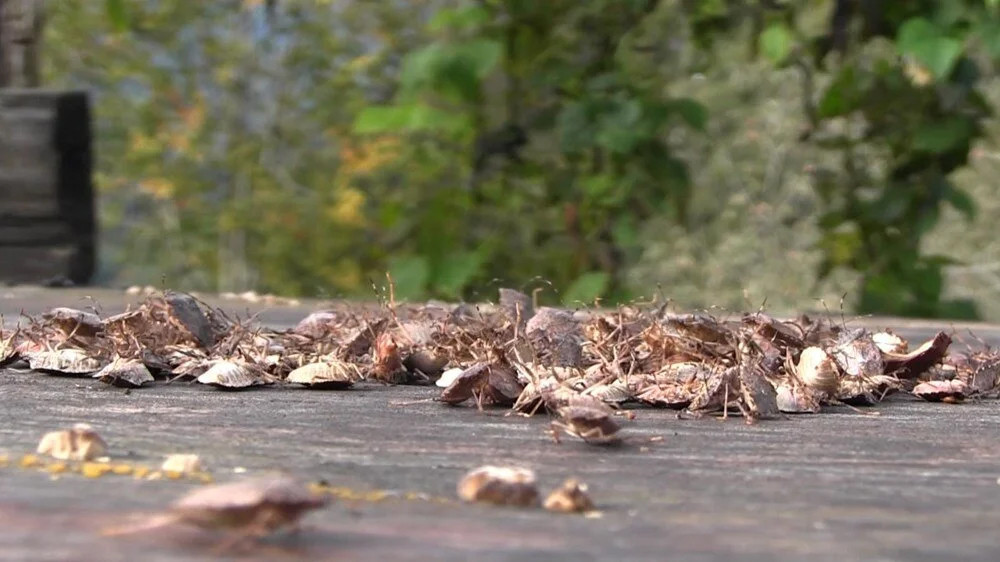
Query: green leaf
<point>455,272</point>
<point>776,42</point>
<point>943,136</point>
<point>404,118</point>
<point>462,18</point>
<point>692,112</point>
<point>576,132</point>
<point>841,96</point>
<point>586,288</point>
<point>117,14</point>
<point>379,119</point>
<point>961,200</point>
<point>923,41</point>
<point>409,276</point>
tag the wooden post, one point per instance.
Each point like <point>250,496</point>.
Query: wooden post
<point>21,23</point>
<point>47,215</point>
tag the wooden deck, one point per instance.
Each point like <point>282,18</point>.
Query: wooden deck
<point>918,482</point>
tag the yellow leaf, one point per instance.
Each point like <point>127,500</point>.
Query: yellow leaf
<point>347,209</point>
<point>160,188</point>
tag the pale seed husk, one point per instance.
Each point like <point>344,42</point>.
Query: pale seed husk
<point>125,373</point>
<point>81,443</point>
<point>65,361</point>
<point>571,497</point>
<point>818,371</point>
<point>330,374</point>
<point>500,485</point>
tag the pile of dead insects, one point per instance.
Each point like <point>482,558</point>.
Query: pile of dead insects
<point>582,367</point>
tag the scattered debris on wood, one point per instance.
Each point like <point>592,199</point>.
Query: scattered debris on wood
<point>581,368</point>
<point>81,443</point>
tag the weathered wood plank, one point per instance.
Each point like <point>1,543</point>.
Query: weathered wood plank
<point>15,232</point>
<point>46,169</point>
<point>30,193</point>
<point>832,486</point>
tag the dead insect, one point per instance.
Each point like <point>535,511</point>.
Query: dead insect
<point>329,374</point>
<point>571,497</point>
<point>500,485</point>
<point>253,508</point>
<point>234,374</point>
<point>389,366</point>
<point>81,443</point>
<point>952,392</point>
<point>125,373</point>
<point>593,425</point>
<point>65,361</point>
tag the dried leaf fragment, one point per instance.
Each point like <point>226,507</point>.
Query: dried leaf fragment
<point>952,391</point>
<point>918,361</point>
<point>571,497</point>
<point>500,485</point>
<point>81,443</point>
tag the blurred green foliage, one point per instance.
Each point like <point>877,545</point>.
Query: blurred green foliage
<point>308,147</point>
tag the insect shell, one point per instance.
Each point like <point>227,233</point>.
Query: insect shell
<point>500,485</point>
<point>592,424</point>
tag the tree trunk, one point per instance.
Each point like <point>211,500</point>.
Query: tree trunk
<point>21,23</point>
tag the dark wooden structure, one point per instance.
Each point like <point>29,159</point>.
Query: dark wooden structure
<point>47,215</point>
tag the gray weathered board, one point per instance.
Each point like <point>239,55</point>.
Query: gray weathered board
<point>916,483</point>
<point>47,218</point>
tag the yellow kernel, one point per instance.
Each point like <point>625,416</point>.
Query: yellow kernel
<point>205,478</point>
<point>4,461</point>
<point>140,471</point>
<point>173,474</point>
<point>94,469</point>
<point>57,467</point>
<point>30,461</point>
<point>122,469</point>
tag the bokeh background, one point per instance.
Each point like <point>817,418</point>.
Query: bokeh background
<point>720,153</point>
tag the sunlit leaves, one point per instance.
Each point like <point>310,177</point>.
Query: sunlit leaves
<point>776,42</point>
<point>586,288</point>
<point>926,43</point>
